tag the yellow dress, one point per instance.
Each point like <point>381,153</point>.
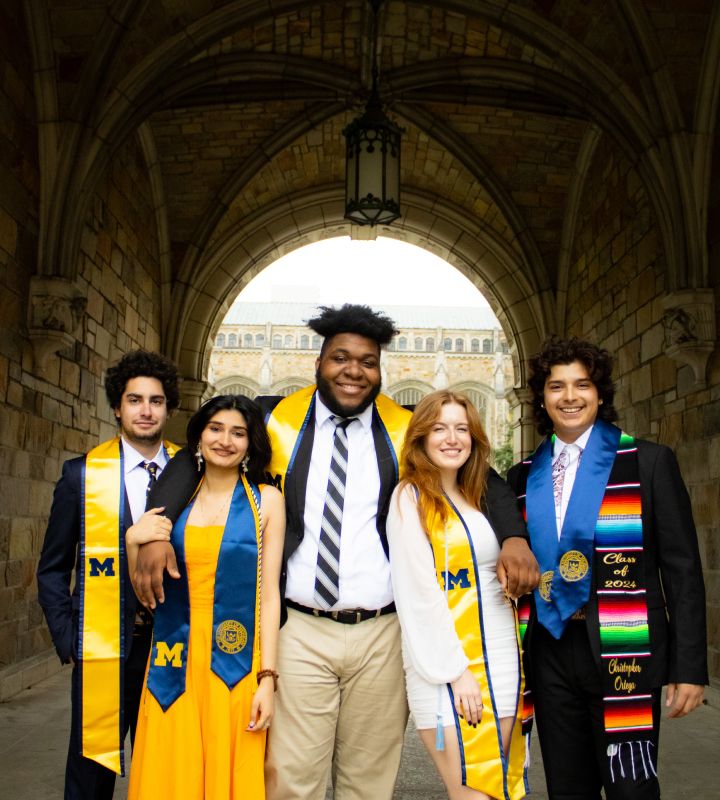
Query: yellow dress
<point>199,748</point>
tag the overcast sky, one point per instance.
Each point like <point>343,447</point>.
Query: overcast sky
<point>384,271</point>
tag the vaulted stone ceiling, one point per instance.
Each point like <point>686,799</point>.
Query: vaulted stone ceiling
<point>240,107</point>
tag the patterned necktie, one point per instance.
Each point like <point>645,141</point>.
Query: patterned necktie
<point>152,469</point>
<point>327,575</point>
<point>558,475</point>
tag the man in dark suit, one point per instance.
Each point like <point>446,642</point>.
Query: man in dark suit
<point>620,610</point>
<point>341,697</point>
<point>98,625</point>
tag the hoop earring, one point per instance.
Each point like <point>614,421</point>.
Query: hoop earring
<point>199,458</point>
<point>244,463</point>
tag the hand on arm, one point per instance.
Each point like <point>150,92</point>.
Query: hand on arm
<point>151,527</point>
<point>153,559</point>
<point>517,569</point>
<point>273,537</point>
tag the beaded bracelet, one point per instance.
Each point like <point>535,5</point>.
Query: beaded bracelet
<point>268,673</point>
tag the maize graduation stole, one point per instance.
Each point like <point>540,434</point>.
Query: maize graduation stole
<point>619,581</point>
<point>483,762</point>
<point>101,639</point>
<point>235,605</point>
<point>287,422</point>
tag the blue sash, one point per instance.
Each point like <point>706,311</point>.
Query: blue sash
<point>234,607</point>
<point>566,565</point>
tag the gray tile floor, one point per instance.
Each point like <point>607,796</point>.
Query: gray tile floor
<point>33,744</point>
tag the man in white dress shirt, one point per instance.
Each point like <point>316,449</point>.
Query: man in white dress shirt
<point>142,388</point>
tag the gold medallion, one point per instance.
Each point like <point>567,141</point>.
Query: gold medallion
<point>573,566</point>
<point>231,636</point>
<point>545,584</point>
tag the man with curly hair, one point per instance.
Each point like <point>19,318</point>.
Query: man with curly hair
<point>341,698</point>
<point>99,626</point>
<point>620,609</point>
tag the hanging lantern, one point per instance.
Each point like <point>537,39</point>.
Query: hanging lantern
<point>372,166</point>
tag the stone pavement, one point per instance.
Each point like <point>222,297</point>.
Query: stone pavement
<point>34,728</point>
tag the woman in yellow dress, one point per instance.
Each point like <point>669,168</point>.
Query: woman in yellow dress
<point>208,695</point>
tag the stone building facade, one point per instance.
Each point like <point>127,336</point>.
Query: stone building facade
<point>154,157</point>
<point>265,348</point>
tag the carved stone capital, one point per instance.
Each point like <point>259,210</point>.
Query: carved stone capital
<point>689,325</point>
<point>55,315</point>
<point>192,393</point>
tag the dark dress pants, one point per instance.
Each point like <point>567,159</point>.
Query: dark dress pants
<point>86,779</point>
<point>567,690</point>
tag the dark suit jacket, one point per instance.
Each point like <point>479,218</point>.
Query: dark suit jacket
<point>179,479</point>
<point>673,572</point>
<point>60,555</point>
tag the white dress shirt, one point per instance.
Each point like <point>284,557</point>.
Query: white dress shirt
<point>137,477</point>
<point>574,451</point>
<point>364,569</point>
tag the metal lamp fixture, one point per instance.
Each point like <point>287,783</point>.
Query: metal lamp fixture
<point>372,167</point>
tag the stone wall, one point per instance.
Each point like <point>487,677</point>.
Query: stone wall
<point>618,297</point>
<point>50,414</point>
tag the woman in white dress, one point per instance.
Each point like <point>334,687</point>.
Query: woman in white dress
<point>460,641</point>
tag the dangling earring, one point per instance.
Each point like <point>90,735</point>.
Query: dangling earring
<point>198,456</point>
<point>244,463</point>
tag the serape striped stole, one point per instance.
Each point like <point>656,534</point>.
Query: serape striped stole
<point>619,581</point>
<point>101,637</point>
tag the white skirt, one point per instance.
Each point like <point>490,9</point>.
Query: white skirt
<point>501,653</point>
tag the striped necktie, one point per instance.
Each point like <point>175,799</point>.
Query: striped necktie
<point>152,469</point>
<point>327,575</point>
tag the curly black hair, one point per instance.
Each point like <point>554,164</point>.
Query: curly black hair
<point>142,364</point>
<point>259,451</point>
<point>556,350</point>
<point>351,318</point>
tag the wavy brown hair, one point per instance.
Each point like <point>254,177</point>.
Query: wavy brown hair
<point>420,472</point>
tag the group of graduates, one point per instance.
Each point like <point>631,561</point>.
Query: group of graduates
<point>261,608</point>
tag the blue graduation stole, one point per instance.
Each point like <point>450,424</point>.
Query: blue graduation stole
<point>234,607</point>
<point>566,564</point>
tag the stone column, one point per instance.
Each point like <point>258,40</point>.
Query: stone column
<point>523,421</point>
<point>191,397</point>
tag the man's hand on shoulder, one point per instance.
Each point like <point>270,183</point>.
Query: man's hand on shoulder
<point>517,569</point>
<point>152,561</point>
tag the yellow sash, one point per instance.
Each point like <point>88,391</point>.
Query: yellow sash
<point>484,765</point>
<point>289,418</point>
<point>102,648</point>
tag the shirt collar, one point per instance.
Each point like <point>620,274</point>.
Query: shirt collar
<point>581,442</point>
<point>323,414</point>
<point>133,459</point>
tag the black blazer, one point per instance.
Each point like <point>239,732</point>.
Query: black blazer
<point>61,554</point>
<point>673,572</point>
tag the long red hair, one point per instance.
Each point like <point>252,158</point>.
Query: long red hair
<point>420,472</point>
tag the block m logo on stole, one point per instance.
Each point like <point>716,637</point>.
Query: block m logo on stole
<point>165,655</point>
<point>458,580</point>
<point>105,567</point>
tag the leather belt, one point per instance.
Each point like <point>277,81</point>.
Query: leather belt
<point>346,616</point>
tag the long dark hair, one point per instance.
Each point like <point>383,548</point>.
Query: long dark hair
<point>259,450</point>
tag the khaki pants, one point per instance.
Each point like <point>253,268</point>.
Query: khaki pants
<point>341,702</point>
